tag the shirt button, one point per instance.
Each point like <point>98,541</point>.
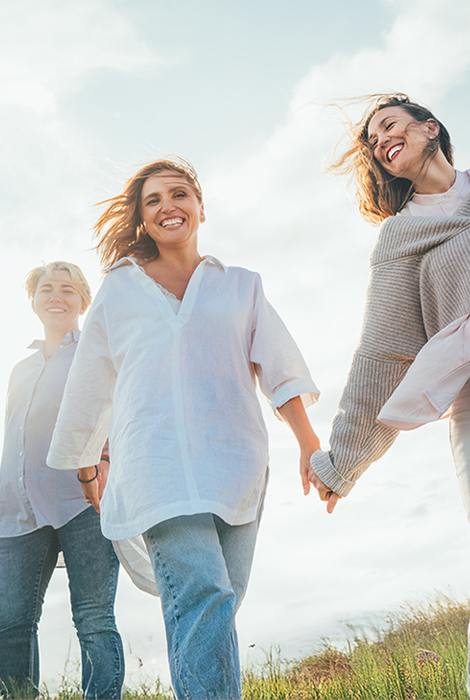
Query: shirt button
<point>447,195</point>
<point>21,454</point>
<point>22,427</point>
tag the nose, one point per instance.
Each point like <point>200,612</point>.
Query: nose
<point>382,139</point>
<point>167,205</point>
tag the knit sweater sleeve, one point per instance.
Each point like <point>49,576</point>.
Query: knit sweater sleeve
<point>392,335</point>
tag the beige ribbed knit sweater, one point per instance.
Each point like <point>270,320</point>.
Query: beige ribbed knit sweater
<point>420,282</point>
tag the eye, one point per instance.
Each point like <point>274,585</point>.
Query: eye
<point>180,195</point>
<point>389,126</point>
<point>151,202</point>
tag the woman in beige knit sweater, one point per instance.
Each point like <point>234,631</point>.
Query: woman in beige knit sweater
<point>401,159</point>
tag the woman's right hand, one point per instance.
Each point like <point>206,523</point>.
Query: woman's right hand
<point>91,490</point>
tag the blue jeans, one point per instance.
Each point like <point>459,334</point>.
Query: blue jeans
<point>202,566</point>
<point>26,566</point>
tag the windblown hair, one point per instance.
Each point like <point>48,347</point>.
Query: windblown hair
<point>120,228</point>
<point>77,278</point>
<point>378,193</point>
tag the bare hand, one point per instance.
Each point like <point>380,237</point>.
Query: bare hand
<point>93,490</point>
<point>325,493</point>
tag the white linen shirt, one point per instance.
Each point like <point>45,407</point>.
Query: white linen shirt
<point>442,367</point>
<point>442,204</point>
<point>31,494</point>
<point>178,391</point>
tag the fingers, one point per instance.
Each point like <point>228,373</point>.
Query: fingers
<point>332,501</point>
<point>324,493</point>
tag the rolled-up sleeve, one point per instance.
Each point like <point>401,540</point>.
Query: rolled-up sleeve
<point>281,369</point>
<point>82,423</point>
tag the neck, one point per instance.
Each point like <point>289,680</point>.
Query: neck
<point>437,176</point>
<point>53,339</point>
<point>185,260</point>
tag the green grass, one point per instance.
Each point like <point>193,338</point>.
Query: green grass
<point>420,652</point>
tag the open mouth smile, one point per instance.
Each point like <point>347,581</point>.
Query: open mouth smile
<point>55,310</point>
<point>171,223</point>
<point>394,151</point>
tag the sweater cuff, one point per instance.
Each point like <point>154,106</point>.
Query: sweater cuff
<point>322,465</point>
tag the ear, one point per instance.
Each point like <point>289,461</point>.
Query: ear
<point>83,308</point>
<point>202,216</point>
<point>432,128</point>
<point>32,305</point>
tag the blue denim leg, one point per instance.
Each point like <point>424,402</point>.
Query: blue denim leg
<point>92,569</point>
<point>26,566</point>
<point>199,602</point>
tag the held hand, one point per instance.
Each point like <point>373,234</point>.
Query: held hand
<point>90,489</point>
<point>305,467</point>
<point>325,493</point>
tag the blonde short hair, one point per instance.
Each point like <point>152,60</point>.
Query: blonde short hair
<point>77,278</point>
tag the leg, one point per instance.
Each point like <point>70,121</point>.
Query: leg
<point>199,606</point>
<point>238,547</point>
<point>459,430</point>
<point>92,568</point>
<point>26,566</point>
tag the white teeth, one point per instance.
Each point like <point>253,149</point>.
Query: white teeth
<point>392,151</point>
<point>171,222</point>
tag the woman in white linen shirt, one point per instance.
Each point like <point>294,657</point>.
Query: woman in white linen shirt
<point>170,356</point>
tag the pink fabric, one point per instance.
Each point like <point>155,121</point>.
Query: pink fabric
<point>434,380</point>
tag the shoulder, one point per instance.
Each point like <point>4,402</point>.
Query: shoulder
<point>26,366</point>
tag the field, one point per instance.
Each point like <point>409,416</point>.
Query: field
<point>419,652</point>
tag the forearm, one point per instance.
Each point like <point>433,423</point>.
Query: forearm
<point>294,414</point>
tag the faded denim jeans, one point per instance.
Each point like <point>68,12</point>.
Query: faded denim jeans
<point>202,566</point>
<point>26,566</point>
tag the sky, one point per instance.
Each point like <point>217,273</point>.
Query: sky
<point>92,89</point>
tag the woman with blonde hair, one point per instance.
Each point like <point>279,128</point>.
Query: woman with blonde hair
<point>43,512</point>
<point>401,159</point>
<point>171,354</point>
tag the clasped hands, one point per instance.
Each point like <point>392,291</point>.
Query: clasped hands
<point>308,477</point>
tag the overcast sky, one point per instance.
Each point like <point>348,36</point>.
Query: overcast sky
<point>92,89</point>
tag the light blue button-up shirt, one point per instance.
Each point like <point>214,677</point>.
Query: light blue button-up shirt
<point>31,494</point>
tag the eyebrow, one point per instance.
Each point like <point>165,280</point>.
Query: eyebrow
<point>389,116</point>
<point>172,189</point>
<point>48,285</point>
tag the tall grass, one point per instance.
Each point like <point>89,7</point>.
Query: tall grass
<point>420,652</point>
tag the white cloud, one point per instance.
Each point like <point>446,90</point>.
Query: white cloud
<point>47,47</point>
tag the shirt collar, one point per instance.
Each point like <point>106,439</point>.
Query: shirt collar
<point>461,180</point>
<point>70,336</point>
<point>134,261</point>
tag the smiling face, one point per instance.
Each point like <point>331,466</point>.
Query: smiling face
<point>171,211</point>
<point>398,141</point>
<point>58,303</point>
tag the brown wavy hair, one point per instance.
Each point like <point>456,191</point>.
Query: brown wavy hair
<point>378,193</point>
<point>120,228</point>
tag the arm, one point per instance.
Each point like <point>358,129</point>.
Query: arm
<point>82,423</point>
<point>393,332</point>
<point>293,413</point>
<point>93,487</point>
